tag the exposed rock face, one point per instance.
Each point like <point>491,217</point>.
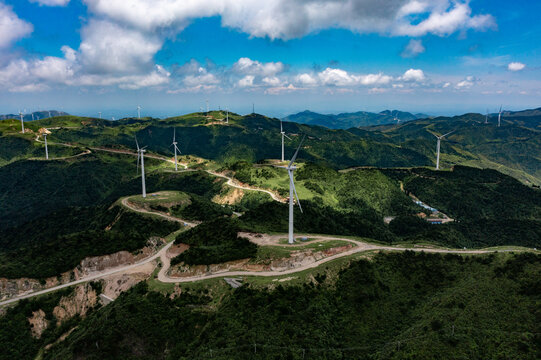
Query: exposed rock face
<point>38,323</point>
<point>297,259</point>
<point>78,303</point>
<point>10,288</point>
<point>231,197</point>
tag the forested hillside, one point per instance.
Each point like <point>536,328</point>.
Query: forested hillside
<point>401,305</point>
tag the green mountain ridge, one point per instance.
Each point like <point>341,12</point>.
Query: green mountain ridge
<point>350,120</point>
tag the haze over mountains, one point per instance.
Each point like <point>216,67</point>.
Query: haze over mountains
<point>354,119</point>
<point>36,115</point>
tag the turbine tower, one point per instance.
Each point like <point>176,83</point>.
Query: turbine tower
<point>22,121</point>
<point>141,157</point>
<point>207,106</point>
<point>486,118</point>
<point>438,148</point>
<point>500,116</point>
<point>283,135</point>
<point>227,116</point>
<point>46,150</point>
<point>174,145</point>
<point>99,113</point>
<point>290,169</point>
<point>138,111</point>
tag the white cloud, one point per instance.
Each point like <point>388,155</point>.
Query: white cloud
<point>339,77</point>
<point>287,19</point>
<point>272,81</point>
<point>247,81</point>
<point>29,88</point>
<point>466,83</point>
<point>12,28</point>
<point>247,66</point>
<point>414,48</point>
<point>281,89</point>
<point>336,77</point>
<point>110,48</point>
<point>445,18</point>
<point>413,75</point>
<point>516,66</point>
<point>306,79</point>
<point>374,79</point>
<point>51,2</point>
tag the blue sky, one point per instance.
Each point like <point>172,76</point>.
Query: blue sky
<point>437,56</point>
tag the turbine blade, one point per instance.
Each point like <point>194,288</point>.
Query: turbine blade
<point>136,143</point>
<point>174,134</point>
<point>295,190</point>
<point>138,160</point>
<point>287,136</point>
<point>296,153</point>
<point>180,152</point>
<point>450,132</point>
<point>281,128</point>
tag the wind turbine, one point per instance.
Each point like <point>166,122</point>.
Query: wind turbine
<point>99,113</point>
<point>138,111</point>
<point>283,135</point>
<point>49,113</point>
<point>486,118</point>
<point>207,106</point>
<point>22,121</point>
<point>174,145</point>
<point>141,157</point>
<point>32,116</point>
<point>227,116</point>
<point>500,116</point>
<point>290,169</point>
<point>438,148</point>
<point>46,150</point>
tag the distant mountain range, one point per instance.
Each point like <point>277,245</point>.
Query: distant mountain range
<point>36,115</point>
<point>352,120</point>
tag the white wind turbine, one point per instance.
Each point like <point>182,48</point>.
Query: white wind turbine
<point>174,145</point>
<point>292,189</point>
<point>99,113</point>
<point>227,116</point>
<point>138,111</point>
<point>22,121</point>
<point>500,116</point>
<point>46,150</point>
<point>486,118</point>
<point>438,148</point>
<point>207,106</point>
<point>141,157</point>
<point>283,135</point>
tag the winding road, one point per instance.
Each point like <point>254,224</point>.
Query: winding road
<point>265,240</point>
<point>260,239</point>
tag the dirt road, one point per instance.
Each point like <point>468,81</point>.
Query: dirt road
<point>272,240</point>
